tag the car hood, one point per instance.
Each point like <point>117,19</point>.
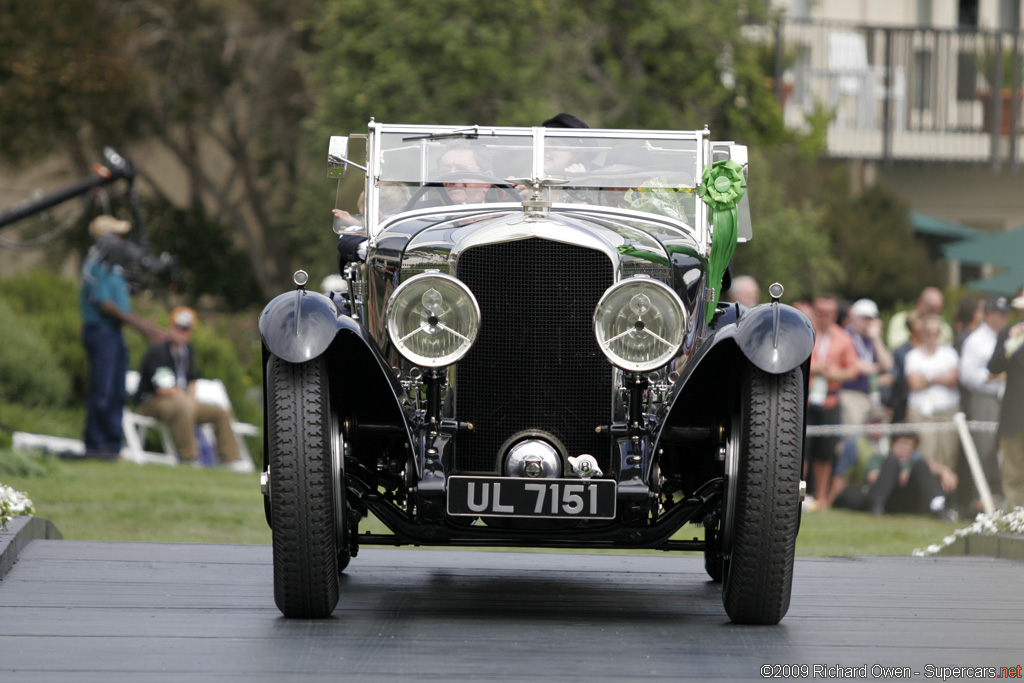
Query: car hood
<point>628,241</point>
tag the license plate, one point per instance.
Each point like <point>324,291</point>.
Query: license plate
<point>526,497</point>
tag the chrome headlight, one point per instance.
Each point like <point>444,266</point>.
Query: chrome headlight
<point>640,324</point>
<point>433,319</point>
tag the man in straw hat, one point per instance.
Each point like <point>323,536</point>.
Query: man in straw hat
<point>1009,358</point>
<point>106,307</point>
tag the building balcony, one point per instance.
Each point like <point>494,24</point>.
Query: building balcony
<point>903,94</point>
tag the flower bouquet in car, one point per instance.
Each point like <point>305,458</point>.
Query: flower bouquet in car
<point>656,196</point>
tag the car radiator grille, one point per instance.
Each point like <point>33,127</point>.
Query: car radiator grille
<point>535,364</point>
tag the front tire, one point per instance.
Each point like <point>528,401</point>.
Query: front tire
<point>758,574</point>
<point>307,501</point>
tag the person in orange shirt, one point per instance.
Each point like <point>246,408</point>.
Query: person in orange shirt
<point>834,360</point>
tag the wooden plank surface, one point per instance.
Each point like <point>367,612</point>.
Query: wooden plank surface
<point>99,611</point>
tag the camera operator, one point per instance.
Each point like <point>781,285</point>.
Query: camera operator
<point>106,307</point>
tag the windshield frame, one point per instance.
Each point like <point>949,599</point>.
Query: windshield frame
<point>385,139</point>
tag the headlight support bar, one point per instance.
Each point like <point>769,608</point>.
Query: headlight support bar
<point>637,383</point>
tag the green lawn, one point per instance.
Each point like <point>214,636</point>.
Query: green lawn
<point>846,533</point>
<point>127,502</point>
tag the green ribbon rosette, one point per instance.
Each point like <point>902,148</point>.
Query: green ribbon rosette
<point>721,188</point>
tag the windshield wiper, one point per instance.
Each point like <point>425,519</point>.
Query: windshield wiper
<point>466,133</point>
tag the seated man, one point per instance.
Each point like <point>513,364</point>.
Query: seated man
<point>167,391</point>
<point>901,482</point>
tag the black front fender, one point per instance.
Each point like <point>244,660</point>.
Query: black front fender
<point>365,393</point>
<point>775,337</point>
<point>299,326</point>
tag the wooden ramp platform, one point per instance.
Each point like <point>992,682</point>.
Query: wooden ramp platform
<point>99,611</point>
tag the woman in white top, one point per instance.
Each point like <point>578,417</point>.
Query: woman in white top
<point>931,371</point>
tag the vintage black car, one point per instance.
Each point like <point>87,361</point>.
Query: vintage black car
<point>534,354</point>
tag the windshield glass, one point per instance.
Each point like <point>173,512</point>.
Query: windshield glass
<point>436,170</point>
<point>643,171</point>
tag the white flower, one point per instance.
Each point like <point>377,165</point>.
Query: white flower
<point>998,523</point>
<point>12,504</point>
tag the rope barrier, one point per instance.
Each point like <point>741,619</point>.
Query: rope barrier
<point>978,426</point>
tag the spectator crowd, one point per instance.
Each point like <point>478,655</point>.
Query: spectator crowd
<point>885,404</point>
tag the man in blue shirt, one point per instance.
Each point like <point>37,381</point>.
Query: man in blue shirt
<point>106,306</point>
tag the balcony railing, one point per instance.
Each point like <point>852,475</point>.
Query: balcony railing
<point>898,93</point>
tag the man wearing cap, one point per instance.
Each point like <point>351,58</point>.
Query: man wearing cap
<point>167,378</point>
<point>983,391</point>
<point>858,394</point>
<point>1009,358</point>
<point>106,307</point>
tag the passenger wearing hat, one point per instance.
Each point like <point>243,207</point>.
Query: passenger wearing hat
<point>167,391</point>
<point>564,120</point>
<point>981,390</point>
<point>858,395</point>
<point>1009,358</point>
<point>105,306</point>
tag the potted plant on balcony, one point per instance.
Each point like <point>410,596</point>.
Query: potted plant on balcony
<point>1003,96</point>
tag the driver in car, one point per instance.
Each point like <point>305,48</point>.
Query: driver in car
<point>464,158</point>
<point>458,158</point>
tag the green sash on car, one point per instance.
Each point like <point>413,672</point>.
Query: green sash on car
<point>721,188</point>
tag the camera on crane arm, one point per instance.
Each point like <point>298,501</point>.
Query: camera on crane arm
<point>133,257</point>
<point>139,266</point>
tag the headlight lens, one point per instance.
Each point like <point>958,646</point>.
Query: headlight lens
<point>640,324</point>
<point>433,319</point>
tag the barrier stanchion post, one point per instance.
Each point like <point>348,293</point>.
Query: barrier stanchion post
<point>971,453</point>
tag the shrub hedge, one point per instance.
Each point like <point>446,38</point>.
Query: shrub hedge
<point>29,371</point>
<point>48,305</point>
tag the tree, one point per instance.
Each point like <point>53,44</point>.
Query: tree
<point>813,236</point>
<point>219,85</point>
<point>663,64</point>
<point>230,110</point>
<point>789,244</point>
<point>645,64</point>
<point>63,80</point>
<point>872,236</point>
